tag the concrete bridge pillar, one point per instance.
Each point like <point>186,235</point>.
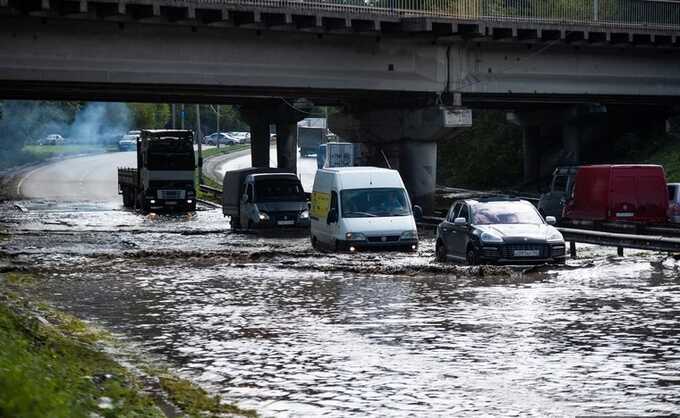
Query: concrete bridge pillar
<point>531,137</point>
<point>259,116</point>
<point>418,168</point>
<point>286,145</point>
<point>259,120</point>
<point>411,134</point>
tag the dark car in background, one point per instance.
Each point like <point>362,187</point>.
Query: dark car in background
<point>498,231</point>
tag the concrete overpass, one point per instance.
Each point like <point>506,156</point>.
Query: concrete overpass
<point>383,60</point>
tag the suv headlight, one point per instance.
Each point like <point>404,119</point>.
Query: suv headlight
<point>355,236</point>
<point>263,216</point>
<point>304,214</point>
<point>489,237</point>
<point>555,236</point>
<point>409,235</point>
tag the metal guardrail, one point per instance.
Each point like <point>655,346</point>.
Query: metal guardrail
<point>610,239</point>
<point>641,14</point>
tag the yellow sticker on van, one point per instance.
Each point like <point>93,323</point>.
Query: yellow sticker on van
<point>321,203</point>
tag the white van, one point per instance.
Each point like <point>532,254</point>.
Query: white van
<point>362,207</point>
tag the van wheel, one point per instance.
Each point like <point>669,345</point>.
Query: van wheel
<point>440,251</point>
<point>471,257</point>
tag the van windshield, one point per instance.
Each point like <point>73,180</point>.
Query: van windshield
<point>278,190</point>
<point>378,202</point>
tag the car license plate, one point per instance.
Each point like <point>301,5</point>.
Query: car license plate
<point>285,223</point>
<point>526,253</point>
<point>171,203</point>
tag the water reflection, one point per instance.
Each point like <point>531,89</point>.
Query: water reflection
<point>270,332</point>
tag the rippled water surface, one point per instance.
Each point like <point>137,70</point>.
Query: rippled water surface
<point>271,324</point>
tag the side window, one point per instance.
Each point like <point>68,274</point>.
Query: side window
<point>334,202</point>
<point>464,213</point>
<point>560,184</point>
<point>453,212</point>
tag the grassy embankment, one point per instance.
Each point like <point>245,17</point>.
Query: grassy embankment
<point>212,152</point>
<point>30,154</point>
<point>51,364</point>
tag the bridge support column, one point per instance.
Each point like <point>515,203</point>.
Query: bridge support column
<point>532,154</point>
<point>418,168</point>
<point>407,137</point>
<point>286,146</point>
<point>259,120</point>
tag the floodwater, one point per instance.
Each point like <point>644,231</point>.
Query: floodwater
<point>271,324</point>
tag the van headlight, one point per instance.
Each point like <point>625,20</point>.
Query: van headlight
<point>263,216</point>
<point>304,214</point>
<point>355,236</point>
<point>409,235</point>
<point>489,237</point>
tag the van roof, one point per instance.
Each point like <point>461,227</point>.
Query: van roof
<point>358,170</point>
<point>363,177</point>
<point>622,166</point>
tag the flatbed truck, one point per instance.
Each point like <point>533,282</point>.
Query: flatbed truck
<point>165,175</point>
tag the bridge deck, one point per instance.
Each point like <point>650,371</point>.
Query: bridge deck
<point>595,21</point>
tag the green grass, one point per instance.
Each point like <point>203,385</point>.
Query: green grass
<point>224,149</point>
<point>48,372</point>
<point>669,157</point>
<point>47,151</point>
<point>54,368</point>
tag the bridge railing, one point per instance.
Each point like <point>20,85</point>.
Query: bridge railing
<point>652,14</point>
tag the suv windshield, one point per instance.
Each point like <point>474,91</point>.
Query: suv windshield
<point>278,190</point>
<point>368,203</point>
<point>490,213</point>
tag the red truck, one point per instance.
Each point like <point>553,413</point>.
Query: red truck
<point>618,193</point>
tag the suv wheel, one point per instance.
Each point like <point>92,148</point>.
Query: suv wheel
<point>471,257</point>
<point>440,251</point>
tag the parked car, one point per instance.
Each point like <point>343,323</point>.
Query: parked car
<point>618,193</point>
<point>552,202</point>
<point>362,207</point>
<point>128,142</point>
<point>221,138</point>
<point>54,139</point>
<point>498,231</point>
<point>674,202</point>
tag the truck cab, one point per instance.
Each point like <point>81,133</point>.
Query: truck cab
<point>165,175</point>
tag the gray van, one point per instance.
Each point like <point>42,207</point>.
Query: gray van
<point>552,202</point>
<point>264,198</point>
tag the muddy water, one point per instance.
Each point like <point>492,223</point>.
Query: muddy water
<point>268,323</point>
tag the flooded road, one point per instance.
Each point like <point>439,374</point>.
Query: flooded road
<point>271,324</point>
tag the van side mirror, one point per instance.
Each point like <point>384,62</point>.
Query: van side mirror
<point>417,212</point>
<point>460,221</point>
<point>551,220</point>
<point>332,216</point>
<point>244,198</point>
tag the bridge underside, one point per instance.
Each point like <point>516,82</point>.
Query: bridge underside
<point>59,58</point>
